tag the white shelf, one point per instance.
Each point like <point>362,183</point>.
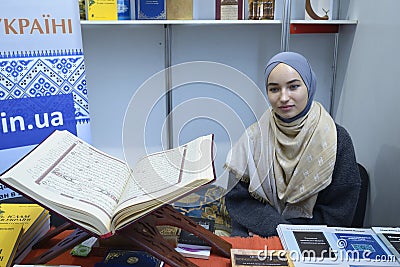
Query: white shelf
<point>177,22</point>
<point>215,22</point>
<point>324,22</point>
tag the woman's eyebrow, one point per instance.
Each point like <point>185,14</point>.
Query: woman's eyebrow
<point>293,81</point>
<point>272,84</point>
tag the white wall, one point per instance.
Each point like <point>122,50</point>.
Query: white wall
<point>368,101</point>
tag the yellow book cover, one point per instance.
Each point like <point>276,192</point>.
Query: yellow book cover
<point>102,9</point>
<point>10,235</point>
<point>30,216</point>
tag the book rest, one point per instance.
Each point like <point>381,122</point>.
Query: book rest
<point>143,234</point>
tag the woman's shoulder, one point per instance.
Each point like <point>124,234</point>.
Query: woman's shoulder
<point>345,147</point>
<point>345,172</point>
<point>343,135</point>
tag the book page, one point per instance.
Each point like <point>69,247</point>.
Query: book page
<point>75,174</point>
<point>168,171</point>
<point>155,173</point>
<point>71,173</point>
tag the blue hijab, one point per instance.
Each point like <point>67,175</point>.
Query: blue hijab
<point>301,65</point>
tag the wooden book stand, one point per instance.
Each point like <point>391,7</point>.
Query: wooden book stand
<point>143,234</point>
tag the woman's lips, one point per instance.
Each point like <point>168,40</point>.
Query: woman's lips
<point>286,108</point>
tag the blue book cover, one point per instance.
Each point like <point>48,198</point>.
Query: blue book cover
<point>150,9</point>
<point>364,246</point>
<point>129,258</point>
<point>361,246</point>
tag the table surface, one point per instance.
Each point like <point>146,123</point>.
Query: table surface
<point>97,254</point>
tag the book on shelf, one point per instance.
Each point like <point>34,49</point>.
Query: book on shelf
<point>258,258</point>
<point>101,193</point>
<point>43,76</point>
<point>179,9</point>
<point>129,258</point>
<point>35,222</point>
<point>259,10</point>
<point>192,246</point>
<point>10,236</point>
<point>82,9</point>
<point>124,10</point>
<point>101,9</point>
<point>150,9</point>
<point>335,245</point>
<point>229,9</point>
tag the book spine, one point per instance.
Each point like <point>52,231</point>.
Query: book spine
<point>217,9</point>
<point>124,9</point>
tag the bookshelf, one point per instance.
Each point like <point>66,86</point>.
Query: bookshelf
<point>138,49</point>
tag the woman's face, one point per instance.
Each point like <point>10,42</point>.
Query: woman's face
<point>286,91</point>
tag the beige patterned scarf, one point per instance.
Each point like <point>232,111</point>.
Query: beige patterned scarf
<point>287,164</point>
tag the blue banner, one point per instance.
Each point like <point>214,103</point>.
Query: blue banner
<point>28,121</point>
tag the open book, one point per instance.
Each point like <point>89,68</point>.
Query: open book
<point>101,193</point>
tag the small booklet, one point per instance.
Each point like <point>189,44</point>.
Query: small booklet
<point>189,240</point>
<point>304,238</point>
<point>391,237</point>
<point>258,258</point>
<point>129,258</point>
<point>192,246</point>
<point>360,245</point>
<point>340,246</point>
<point>101,193</point>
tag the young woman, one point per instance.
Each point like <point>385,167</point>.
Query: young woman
<point>295,165</point>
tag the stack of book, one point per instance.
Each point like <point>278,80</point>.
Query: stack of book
<point>342,246</point>
<point>10,236</point>
<point>34,220</point>
<point>190,245</point>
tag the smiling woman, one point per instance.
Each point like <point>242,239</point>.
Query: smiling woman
<point>294,165</point>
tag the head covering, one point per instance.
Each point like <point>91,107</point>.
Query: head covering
<point>303,67</point>
<point>287,163</point>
